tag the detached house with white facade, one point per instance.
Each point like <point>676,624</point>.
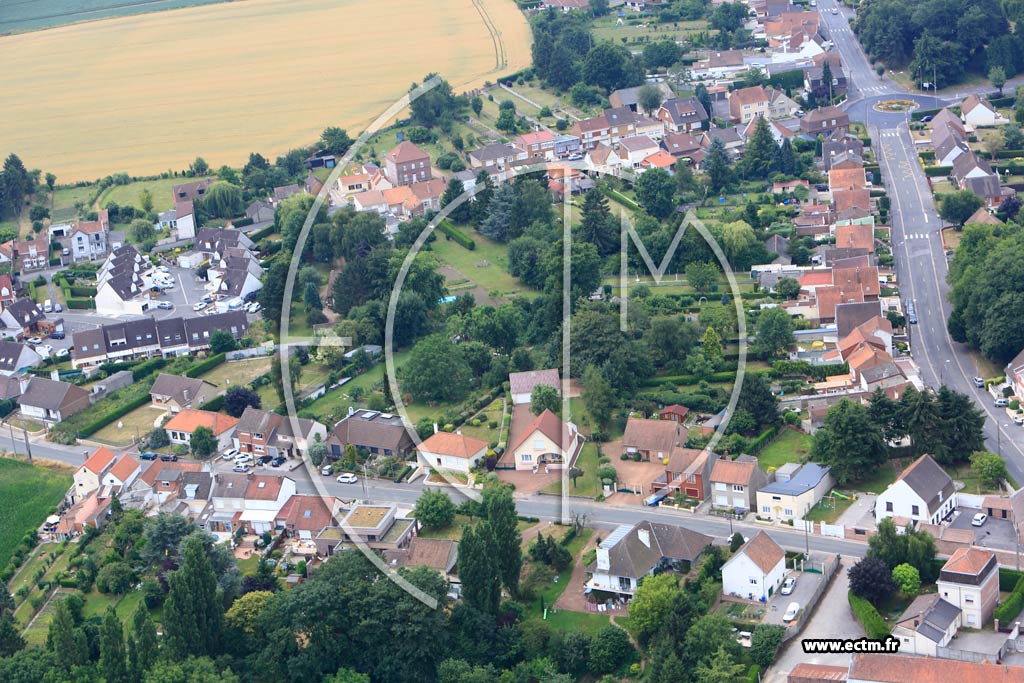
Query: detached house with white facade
<point>970,581</point>
<point>922,493</point>
<point>756,570</point>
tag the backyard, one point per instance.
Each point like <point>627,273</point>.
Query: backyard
<point>487,265</point>
<point>126,430</point>
<point>789,446</point>
<point>125,195</point>
<point>238,372</point>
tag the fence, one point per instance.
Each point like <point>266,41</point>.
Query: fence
<point>827,565</point>
<point>254,352</point>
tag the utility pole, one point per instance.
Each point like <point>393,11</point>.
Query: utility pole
<point>14,444</point>
<point>28,448</point>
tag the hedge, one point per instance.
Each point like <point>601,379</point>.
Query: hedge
<point>204,366</point>
<point>1008,578</point>
<point>55,262</point>
<point>869,618</point>
<point>214,404</point>
<point>688,380</point>
<point>100,422</point>
<point>456,235</point>
<point>927,155</point>
<point>242,222</point>
<point>753,674</point>
<point>621,198</point>
<point>139,370</point>
<point>1012,605</point>
<point>766,437</point>
<point>937,171</point>
<point>1009,153</point>
<point>918,115</point>
<point>260,234</point>
<point>80,304</point>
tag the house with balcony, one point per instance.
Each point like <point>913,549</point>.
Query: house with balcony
<point>630,553</point>
<point>547,442</point>
<point>261,432</point>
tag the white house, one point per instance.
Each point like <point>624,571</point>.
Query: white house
<point>184,220</point>
<point>976,112</point>
<point>756,570</point>
<point>521,384</point>
<point>122,294</point>
<point>547,442</point>
<point>265,495</point>
<point>926,625</point>
<point>453,452</point>
<point>122,473</point>
<point>795,491</point>
<point>633,552</point>
<point>923,493</point>
<point>16,357</point>
<point>970,581</point>
<point>87,477</point>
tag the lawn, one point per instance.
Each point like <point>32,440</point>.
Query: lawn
<point>588,622</point>
<point>136,423</point>
<point>829,509</point>
<point>128,195</point>
<point>587,486</point>
<point>548,593</point>
<point>238,372</point>
<point>492,413</point>
<point>972,484</point>
<point>878,481</point>
<point>453,532</point>
<point>336,402</point>
<point>37,491</point>
<point>789,446</point>
<point>605,28</point>
<point>64,200</point>
<point>487,265</point>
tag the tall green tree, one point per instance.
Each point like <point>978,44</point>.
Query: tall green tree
<point>112,655</point>
<point>598,396</point>
<point>142,644</point>
<point>849,442</point>
<point>717,167</point>
<point>203,443</point>
<point>760,152</point>
<point>597,224</point>
<point>500,523</point>
<point>436,370</point>
<point>194,609</point>
<point>545,397</point>
<point>711,348</point>
<point>455,190</point>
<point>478,570</point>
<point>655,190</point>
<point>774,333</point>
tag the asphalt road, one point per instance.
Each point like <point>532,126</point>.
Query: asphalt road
<point>920,260</point>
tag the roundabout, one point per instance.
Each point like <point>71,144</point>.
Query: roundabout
<point>895,106</point>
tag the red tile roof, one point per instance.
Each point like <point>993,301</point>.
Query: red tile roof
<point>99,460</point>
<point>814,278</point>
<point>124,467</point>
<point>968,561</point>
<point>188,420</point>
<point>456,445</point>
<point>263,487</point>
<point>902,669</point>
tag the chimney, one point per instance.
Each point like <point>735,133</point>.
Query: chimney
<point>435,428</point>
<point>187,395</point>
<point>603,560</point>
<point>55,375</point>
<point>351,410</point>
<point>645,536</point>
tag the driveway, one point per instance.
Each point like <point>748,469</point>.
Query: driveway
<point>806,584</point>
<point>995,533</point>
<point>861,512</point>
<point>832,618</point>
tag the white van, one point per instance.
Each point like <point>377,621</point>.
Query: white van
<point>48,306</point>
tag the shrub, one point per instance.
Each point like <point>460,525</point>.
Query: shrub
<point>870,619</point>
<point>456,235</point>
<point>205,366</point>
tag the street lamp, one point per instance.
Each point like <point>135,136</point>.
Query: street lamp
<point>942,372</point>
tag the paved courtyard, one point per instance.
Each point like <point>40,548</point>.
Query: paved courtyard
<point>994,533</point>
<point>806,584</point>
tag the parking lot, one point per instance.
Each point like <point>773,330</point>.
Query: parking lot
<point>994,533</point>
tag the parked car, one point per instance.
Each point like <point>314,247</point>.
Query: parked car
<point>788,585</point>
<point>62,353</point>
<point>264,459</point>
<point>326,470</point>
<point>979,382</point>
<point>791,612</point>
<point>207,299</point>
<point>57,308</point>
<point>229,453</point>
<point>1001,403</point>
<point>242,458</point>
<point>926,119</point>
<point>1018,420</point>
<point>199,305</point>
<point>45,350</point>
<point>835,10</point>
<point>347,478</point>
<point>169,457</point>
<point>33,341</point>
<point>164,305</point>
<point>57,335</point>
<point>147,456</point>
<point>241,469</point>
<point>278,461</point>
<point>979,519</point>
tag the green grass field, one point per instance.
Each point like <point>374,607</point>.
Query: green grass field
<point>37,491</point>
<point>64,200</point>
<point>878,481</point>
<point>128,194</point>
<point>32,16</point>
<point>790,446</point>
<point>587,486</point>
<point>487,265</point>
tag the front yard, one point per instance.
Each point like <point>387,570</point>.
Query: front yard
<point>588,485</point>
<point>789,446</point>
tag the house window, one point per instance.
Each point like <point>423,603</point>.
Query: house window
<point>526,457</point>
<point>766,508</point>
<point>968,599</point>
<point>888,506</point>
<point>753,581</point>
<point>738,487</point>
<point>788,512</point>
<point>915,510</point>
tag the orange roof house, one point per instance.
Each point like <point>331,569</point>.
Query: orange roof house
<point>856,236</point>
<point>844,200</point>
<point>456,452</point>
<point>847,179</point>
<point>99,460</point>
<point>816,278</point>
<point>189,420</point>
<point>857,280</point>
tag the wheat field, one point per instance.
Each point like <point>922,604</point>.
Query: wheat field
<point>145,94</point>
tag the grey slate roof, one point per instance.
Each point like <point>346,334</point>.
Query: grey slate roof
<point>930,616</point>
<point>369,428</point>
<point>929,481</point>
<point>203,481</point>
<point>175,387</point>
<point>630,556</point>
<point>806,478</point>
<point>51,395</point>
